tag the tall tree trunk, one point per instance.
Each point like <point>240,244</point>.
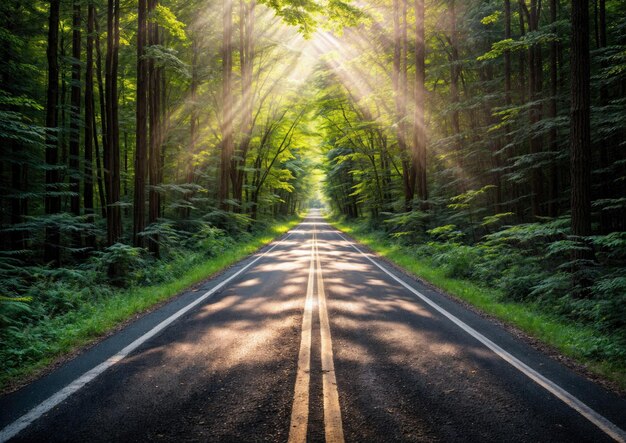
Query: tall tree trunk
<point>154,155</point>
<point>455,73</point>
<point>536,142</point>
<point>507,90</point>
<point>64,102</point>
<point>407,154</point>
<point>419,131</point>
<point>52,200</point>
<point>246,56</point>
<point>553,135</point>
<point>90,239</point>
<point>164,118</point>
<point>596,27</point>
<point>507,53</point>
<point>101,161</point>
<point>580,135</point>
<point>193,126</point>
<point>141,141</point>
<point>519,190</point>
<point>227,106</point>
<point>75,114</point>
<point>112,153</point>
<point>522,54</point>
<point>608,218</point>
<point>399,84</point>
<point>99,167</point>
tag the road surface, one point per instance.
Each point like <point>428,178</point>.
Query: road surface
<point>312,340</point>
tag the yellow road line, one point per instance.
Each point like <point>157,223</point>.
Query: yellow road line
<point>300,408</point>
<point>332,412</point>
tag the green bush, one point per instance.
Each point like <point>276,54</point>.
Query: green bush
<point>457,260</point>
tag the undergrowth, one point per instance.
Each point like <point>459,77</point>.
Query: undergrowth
<point>53,311</point>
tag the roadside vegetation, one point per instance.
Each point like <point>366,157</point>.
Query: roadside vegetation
<point>62,309</point>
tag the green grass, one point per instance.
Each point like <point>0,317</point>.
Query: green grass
<point>573,340</point>
<point>56,337</point>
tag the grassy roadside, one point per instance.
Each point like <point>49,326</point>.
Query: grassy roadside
<point>59,336</point>
<point>573,340</point>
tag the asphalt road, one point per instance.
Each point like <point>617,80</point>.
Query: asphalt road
<point>312,340</point>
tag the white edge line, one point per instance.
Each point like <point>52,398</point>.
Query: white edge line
<point>594,417</point>
<point>25,420</point>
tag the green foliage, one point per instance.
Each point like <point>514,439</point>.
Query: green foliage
<point>168,58</point>
<point>168,20</point>
<point>129,261</point>
<point>446,233</point>
<point>406,224</point>
<point>456,260</point>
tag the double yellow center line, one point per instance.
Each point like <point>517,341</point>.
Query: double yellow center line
<point>300,411</point>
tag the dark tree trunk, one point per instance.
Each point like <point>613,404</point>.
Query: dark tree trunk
<point>246,54</point>
<point>100,167</point>
<point>164,118</point>
<point>112,152</point>
<point>608,218</point>
<point>596,27</point>
<point>522,55</point>
<point>90,239</point>
<point>154,156</point>
<point>455,73</point>
<point>141,143</point>
<point>400,85</point>
<point>193,126</point>
<point>419,131</point>
<point>553,136</point>
<point>75,114</point>
<point>52,199</point>
<point>518,190</point>
<point>507,92</point>
<point>536,80</point>
<point>63,130</point>
<point>507,53</point>
<point>385,168</point>
<point>580,135</point>
<point>227,107</point>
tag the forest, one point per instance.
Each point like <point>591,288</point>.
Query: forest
<point>142,138</point>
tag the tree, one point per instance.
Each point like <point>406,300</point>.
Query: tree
<point>155,76</point>
<point>90,127</point>
<point>246,57</point>
<point>580,131</point>
<point>75,116</point>
<point>52,251</point>
<point>419,130</point>
<point>141,134</point>
<point>227,145</point>
<point>112,149</point>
